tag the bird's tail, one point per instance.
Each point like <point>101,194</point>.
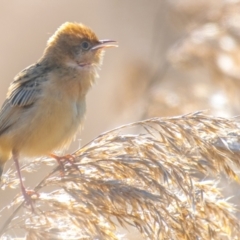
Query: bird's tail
<point>2,163</point>
<point>1,170</point>
<point>4,156</point>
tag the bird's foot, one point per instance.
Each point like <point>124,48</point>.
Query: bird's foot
<point>29,196</point>
<point>62,160</point>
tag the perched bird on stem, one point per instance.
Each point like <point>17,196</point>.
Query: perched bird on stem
<point>45,104</point>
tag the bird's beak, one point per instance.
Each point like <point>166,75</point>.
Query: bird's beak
<point>105,44</point>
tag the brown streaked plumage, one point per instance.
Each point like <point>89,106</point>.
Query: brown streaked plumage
<point>45,103</point>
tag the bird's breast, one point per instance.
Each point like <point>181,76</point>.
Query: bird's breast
<point>55,119</point>
<point>65,108</point>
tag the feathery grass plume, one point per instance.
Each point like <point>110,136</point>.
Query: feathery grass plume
<point>147,181</point>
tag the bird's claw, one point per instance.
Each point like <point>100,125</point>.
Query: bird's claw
<point>29,196</point>
<point>63,160</point>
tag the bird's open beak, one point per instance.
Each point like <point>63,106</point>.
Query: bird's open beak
<point>105,44</point>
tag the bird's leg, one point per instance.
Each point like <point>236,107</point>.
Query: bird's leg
<point>26,193</point>
<point>64,159</point>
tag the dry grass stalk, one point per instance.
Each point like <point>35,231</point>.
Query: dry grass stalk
<point>146,180</point>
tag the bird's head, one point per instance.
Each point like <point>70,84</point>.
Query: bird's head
<point>77,46</point>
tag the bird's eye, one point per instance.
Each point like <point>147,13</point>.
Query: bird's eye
<point>85,45</point>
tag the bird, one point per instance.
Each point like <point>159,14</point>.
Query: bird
<point>46,103</point>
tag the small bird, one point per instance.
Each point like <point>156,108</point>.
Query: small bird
<point>46,102</point>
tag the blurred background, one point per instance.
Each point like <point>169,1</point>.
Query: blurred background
<point>174,57</point>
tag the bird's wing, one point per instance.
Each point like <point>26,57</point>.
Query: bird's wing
<point>23,92</point>
<point>26,86</point>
